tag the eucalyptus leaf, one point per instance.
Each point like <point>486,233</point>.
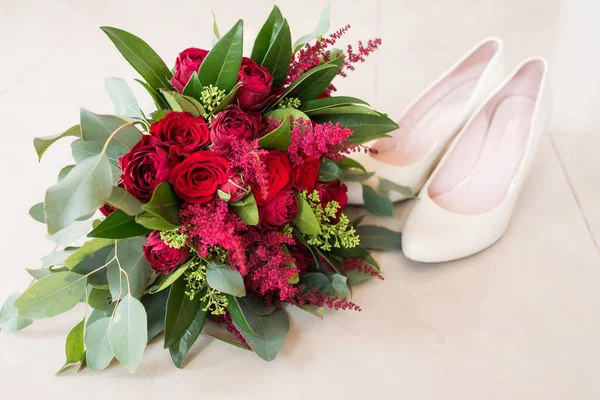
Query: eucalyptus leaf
<point>123,200</point>
<point>39,273</point>
<point>270,330</point>
<point>248,211</point>
<point>127,332</point>
<point>52,295</point>
<point>90,266</point>
<point>65,171</point>
<point>129,271</point>
<point>306,221</point>
<point>321,29</point>
<point>257,306</point>
<point>386,185</point>
<point>316,311</point>
<point>379,238</point>
<point>376,203</point>
<point>222,64</point>
<point>58,257</point>
<point>141,57</point>
<point>100,299</point>
<point>278,138</point>
<point>82,192</point>
<point>37,212</point>
<point>123,98</point>
<point>224,279</point>
<point>66,237</point>
<point>98,351</point>
<point>181,311</point>
<point>156,309</point>
<point>340,285</point>
<point>9,320</point>
<point>98,128</point>
<point>86,250</point>
<point>74,347</point>
<point>42,144</point>
<point>119,225</point>
<point>181,347</point>
<point>82,150</point>
<point>330,171</point>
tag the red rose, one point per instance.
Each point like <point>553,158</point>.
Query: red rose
<point>162,258</point>
<point>256,89</point>
<point>281,210</point>
<point>333,191</point>
<point>233,124</point>
<point>277,176</point>
<point>145,167</point>
<point>181,129</point>
<point>187,63</point>
<point>107,209</point>
<point>197,178</point>
<point>306,175</point>
<point>235,189</point>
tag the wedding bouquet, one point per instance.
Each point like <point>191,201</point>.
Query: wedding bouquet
<point>222,205</point>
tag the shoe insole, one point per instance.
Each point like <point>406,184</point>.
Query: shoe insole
<point>411,144</point>
<point>487,183</point>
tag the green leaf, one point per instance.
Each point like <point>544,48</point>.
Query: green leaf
<point>159,100</point>
<point>9,320</point>
<point>349,163</point>
<point>98,128</point>
<point>179,102</point>
<point>319,281</point>
<point>65,171</point>
<point>58,257</point>
<point>123,98</point>
<point>387,185</point>
<point>164,204</point>
<point>222,64</point>
<point>167,280</point>
<point>119,225</point>
<point>225,279</point>
<point>153,222</point>
<point>100,299</point>
<point>127,333</point>
<point>91,264</point>
<point>159,115</point>
<point>194,87</point>
<point>141,57</point>
<point>66,237</point>
<point>278,138</point>
<point>215,29</point>
<point>312,81</point>
<point>52,295</point>
<point>340,285</point>
<point>354,252</point>
<point>98,351</point>
<point>330,171</point>
<point>366,127</point>
<point>237,315</point>
<point>37,212</point>
<point>156,309</point>
<point>267,35</point>
<point>74,348</point>
<point>129,271</point>
<point>278,56</point>
<point>39,273</point>
<point>281,114</point>
<point>256,305</point>
<point>355,276</point>
<point>321,29</point>
<point>82,192</point>
<point>379,238</point>
<point>82,150</point>
<point>86,250</point>
<point>348,109</point>
<point>180,312</point>
<point>42,144</point>
<point>357,176</point>
<point>315,105</point>
<point>306,221</point>
<point>124,201</point>
<point>376,203</point>
<point>229,99</point>
<point>181,347</point>
<point>270,330</point>
<point>248,210</point>
<point>316,311</point>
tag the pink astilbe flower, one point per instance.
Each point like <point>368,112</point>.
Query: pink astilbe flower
<point>359,57</point>
<point>310,140</point>
<point>310,297</point>
<point>215,224</point>
<point>352,264</point>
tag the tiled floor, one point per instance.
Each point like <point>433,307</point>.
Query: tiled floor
<point>517,321</point>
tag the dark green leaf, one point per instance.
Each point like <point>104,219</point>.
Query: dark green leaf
<point>153,222</point>
<point>193,87</point>
<point>365,127</point>
<point>319,281</point>
<point>257,306</point>
<point>270,330</point>
<point>307,82</point>
<point>379,238</point>
<point>306,221</point>
<point>237,315</point>
<point>181,347</point>
<point>357,176</point>
<point>180,312</point>
<point>351,109</point>
<point>387,185</point>
<point>330,171</point>
<point>267,35</point>
<point>74,348</point>
<point>141,57</point>
<point>165,281</point>
<point>43,143</point>
<point>156,309</point>
<point>119,225</point>
<point>222,64</point>
<point>349,163</point>
<point>376,203</point>
<point>230,98</point>
<point>279,138</point>
<point>224,279</point>
<point>164,205</point>
<point>92,263</point>
<point>248,210</point>
<point>159,100</point>
<point>279,54</point>
<point>315,105</point>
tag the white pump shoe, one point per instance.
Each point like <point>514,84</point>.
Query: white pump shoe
<point>431,121</point>
<point>467,203</point>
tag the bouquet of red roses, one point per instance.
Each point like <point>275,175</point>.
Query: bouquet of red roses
<point>219,207</point>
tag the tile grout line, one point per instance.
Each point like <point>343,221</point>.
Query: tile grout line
<point>564,170</point>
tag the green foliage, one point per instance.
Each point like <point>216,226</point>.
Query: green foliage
<point>224,279</point>
<point>197,285</point>
<point>278,138</point>
<point>247,209</point>
<point>365,127</point>
<point>165,281</point>
<point>181,347</point>
<point>330,171</point>
<point>379,238</point>
<point>119,225</point>
<point>376,203</point>
<point>316,105</point>
<point>273,47</point>
<point>86,250</point>
<point>37,212</point>
<point>321,28</point>
<point>97,348</point>
<point>306,222</point>
<point>164,206</point>
<point>222,64</point>
<point>237,315</point>
<point>128,270</point>
<point>181,311</point>
<point>74,347</point>
<point>123,200</point>
<point>123,98</point>
<point>156,309</point>
<point>43,143</point>
<point>9,320</point>
<point>194,87</point>
<point>270,331</point>
<point>127,332</point>
<point>387,185</point>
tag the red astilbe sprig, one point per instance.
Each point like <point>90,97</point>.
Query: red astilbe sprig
<point>317,141</point>
<point>353,57</point>
<point>351,264</point>
<point>231,328</point>
<point>311,297</point>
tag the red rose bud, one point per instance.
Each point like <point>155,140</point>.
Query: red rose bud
<point>334,190</point>
<point>106,210</point>
<point>277,172</point>
<point>162,258</point>
<point>256,88</point>
<point>187,63</point>
<point>145,167</point>
<point>197,178</point>
<point>306,174</point>
<point>233,124</point>
<point>233,190</point>
<point>281,210</point>
<point>182,130</point>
